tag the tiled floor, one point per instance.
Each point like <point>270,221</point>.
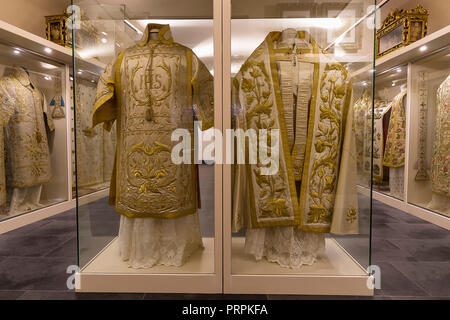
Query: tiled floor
<point>414,257</point>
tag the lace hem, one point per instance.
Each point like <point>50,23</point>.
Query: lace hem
<point>287,246</point>
<point>146,242</point>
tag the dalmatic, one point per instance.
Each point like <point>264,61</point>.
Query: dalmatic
<point>315,186</point>
<point>151,89</point>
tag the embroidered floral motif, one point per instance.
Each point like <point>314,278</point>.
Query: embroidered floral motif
<point>352,215</point>
<point>259,101</point>
<point>327,139</point>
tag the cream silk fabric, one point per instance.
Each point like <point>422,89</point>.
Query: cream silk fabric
<point>317,147</point>
<point>27,150</point>
<point>151,89</point>
<point>440,166</point>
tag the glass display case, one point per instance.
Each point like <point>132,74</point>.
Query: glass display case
<point>235,163</point>
<point>428,175</point>
<point>138,128</point>
<point>33,131</point>
<point>298,224</point>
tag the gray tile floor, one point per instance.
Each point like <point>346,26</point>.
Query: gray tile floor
<point>414,257</point>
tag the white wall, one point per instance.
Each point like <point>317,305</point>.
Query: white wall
<point>30,14</point>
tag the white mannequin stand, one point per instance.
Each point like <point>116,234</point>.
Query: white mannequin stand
<point>24,199</point>
<point>397,175</point>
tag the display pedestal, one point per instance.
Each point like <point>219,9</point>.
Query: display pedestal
<point>106,272</point>
<point>334,273</point>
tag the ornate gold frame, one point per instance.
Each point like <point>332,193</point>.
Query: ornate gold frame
<point>61,22</point>
<point>408,25</point>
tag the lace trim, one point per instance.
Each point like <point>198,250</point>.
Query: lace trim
<point>287,246</point>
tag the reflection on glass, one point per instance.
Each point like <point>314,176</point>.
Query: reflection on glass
<point>389,132</point>
<point>32,132</point>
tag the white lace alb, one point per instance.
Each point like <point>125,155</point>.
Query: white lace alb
<point>146,242</point>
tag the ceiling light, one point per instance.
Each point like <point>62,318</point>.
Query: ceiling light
<point>48,50</point>
<point>80,72</point>
<point>399,70</point>
<point>104,33</point>
<point>16,51</point>
<point>48,78</point>
<point>423,48</point>
<point>104,40</point>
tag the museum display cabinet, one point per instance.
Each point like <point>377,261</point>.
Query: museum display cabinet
<point>410,139</point>
<point>180,83</point>
<point>222,146</point>
<point>35,167</point>
<point>296,223</point>
<point>160,229</point>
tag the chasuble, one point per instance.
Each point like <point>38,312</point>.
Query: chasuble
<point>152,89</point>
<point>27,150</point>
<point>315,187</point>
<point>440,166</point>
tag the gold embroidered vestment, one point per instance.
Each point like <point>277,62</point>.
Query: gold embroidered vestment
<point>152,89</point>
<point>317,148</point>
<point>27,150</point>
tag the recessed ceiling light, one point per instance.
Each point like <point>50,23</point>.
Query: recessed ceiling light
<point>16,51</point>
<point>80,72</point>
<point>92,81</point>
<point>399,70</point>
<point>48,50</point>
<point>423,48</point>
<point>364,84</point>
<point>48,78</point>
<point>104,40</point>
<point>104,33</point>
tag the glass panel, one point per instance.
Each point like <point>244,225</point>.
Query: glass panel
<point>33,147</point>
<point>296,205</point>
<point>155,80</point>
<point>429,142</point>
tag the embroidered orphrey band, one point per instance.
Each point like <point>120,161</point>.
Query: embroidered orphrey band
<point>422,174</point>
